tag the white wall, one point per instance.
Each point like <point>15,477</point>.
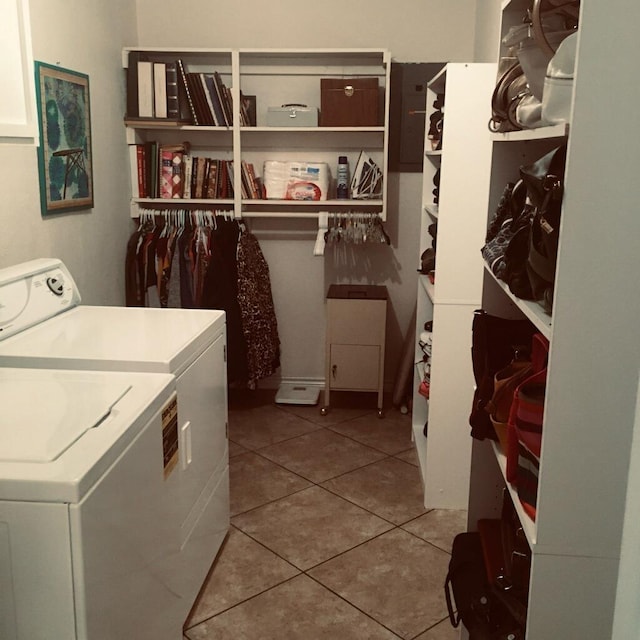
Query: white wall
<point>85,36</point>
<point>88,36</point>
<point>427,31</point>
<point>487,30</point>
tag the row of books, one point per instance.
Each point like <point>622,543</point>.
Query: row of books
<point>168,91</point>
<point>170,171</point>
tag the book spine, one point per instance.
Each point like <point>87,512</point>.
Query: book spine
<point>212,184</point>
<point>177,174</point>
<point>145,89</point>
<point>221,187</point>
<point>202,164</point>
<point>173,101</point>
<point>199,99</point>
<point>166,173</point>
<point>132,84</point>
<point>187,92</point>
<point>230,179</point>
<point>133,166</point>
<point>141,163</point>
<point>221,91</point>
<point>160,89</point>
<point>208,99</point>
<point>253,182</point>
<point>187,161</point>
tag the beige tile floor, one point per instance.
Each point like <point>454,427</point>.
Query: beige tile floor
<point>329,537</point>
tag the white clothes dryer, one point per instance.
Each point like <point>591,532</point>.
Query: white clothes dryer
<point>87,510</point>
<point>43,325</point>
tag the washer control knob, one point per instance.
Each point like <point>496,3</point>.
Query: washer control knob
<point>56,285</point>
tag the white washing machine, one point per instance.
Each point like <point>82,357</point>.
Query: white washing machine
<point>87,541</point>
<point>43,325</point>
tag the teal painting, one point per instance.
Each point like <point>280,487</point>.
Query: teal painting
<point>64,155</point>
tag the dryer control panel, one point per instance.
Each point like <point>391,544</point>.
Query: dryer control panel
<point>32,292</point>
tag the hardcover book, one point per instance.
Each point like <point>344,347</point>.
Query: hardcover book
<point>160,89</point>
<point>182,76</point>
<point>173,100</point>
<point>145,89</point>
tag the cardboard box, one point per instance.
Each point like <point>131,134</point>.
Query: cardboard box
<point>292,115</point>
<point>349,102</point>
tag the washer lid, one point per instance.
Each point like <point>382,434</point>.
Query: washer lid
<point>41,418</point>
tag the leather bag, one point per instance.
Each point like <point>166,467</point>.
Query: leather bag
<point>495,341</point>
<point>524,430</point>
<point>544,180</point>
<point>511,87</point>
<point>567,10</point>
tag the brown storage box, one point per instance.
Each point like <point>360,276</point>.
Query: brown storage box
<point>349,102</point>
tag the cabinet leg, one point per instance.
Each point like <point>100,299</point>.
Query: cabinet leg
<point>325,409</point>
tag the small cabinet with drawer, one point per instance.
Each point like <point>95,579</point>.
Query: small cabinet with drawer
<point>355,340</point>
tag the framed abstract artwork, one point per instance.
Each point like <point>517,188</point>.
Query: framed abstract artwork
<point>64,156</point>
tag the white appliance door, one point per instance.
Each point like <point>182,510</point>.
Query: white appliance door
<point>42,416</point>
<point>36,589</point>
<point>123,539</point>
<point>115,339</point>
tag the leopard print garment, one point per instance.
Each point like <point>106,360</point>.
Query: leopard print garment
<point>259,323</point>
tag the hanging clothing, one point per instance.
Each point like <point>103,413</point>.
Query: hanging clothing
<point>259,322</point>
<point>208,262</point>
<point>221,292</point>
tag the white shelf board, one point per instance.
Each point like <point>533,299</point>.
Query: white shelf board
<point>532,310</point>
<point>173,202</point>
<point>353,204</point>
<point>428,286</point>
<point>311,129</point>
<point>432,209</point>
<point>437,83</point>
<point>421,445</point>
<point>528,525</point>
<point>542,133</point>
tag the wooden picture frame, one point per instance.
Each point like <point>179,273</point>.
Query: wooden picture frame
<point>64,156</point>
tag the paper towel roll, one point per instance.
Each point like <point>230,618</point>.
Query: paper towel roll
<point>296,180</point>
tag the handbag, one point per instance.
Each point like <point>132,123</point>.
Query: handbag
<point>544,180</point>
<point>511,87</point>
<point>566,10</point>
<point>505,223</point>
<point>494,343</point>
<point>471,599</point>
<point>524,429</point>
<point>558,83</point>
<point>505,383</point>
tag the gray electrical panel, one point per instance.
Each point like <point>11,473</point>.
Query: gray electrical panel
<point>407,113</point>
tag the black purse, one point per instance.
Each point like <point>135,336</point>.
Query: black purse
<point>507,240</point>
<point>544,180</point>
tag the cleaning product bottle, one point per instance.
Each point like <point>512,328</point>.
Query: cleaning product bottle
<point>343,178</point>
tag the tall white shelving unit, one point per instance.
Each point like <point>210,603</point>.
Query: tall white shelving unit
<point>589,413</point>
<point>450,302</point>
<point>276,77</point>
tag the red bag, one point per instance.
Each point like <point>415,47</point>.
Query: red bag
<point>524,430</point>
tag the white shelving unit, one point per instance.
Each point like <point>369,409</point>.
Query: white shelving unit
<point>277,77</point>
<point>444,454</point>
<point>594,359</point>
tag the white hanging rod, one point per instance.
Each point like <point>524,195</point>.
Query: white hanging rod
<point>301,214</point>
